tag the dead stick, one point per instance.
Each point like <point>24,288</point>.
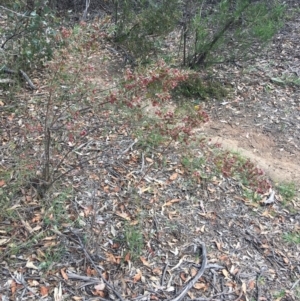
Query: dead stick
<point>87,255</point>
<point>196,278</point>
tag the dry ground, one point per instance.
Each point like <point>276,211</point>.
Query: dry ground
<point>263,119</point>
<point>137,218</point>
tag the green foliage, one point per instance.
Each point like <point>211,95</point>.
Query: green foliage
<point>230,29</point>
<point>234,165</point>
<point>134,240</point>
<point>196,87</point>
<point>261,280</point>
<point>212,32</point>
<point>37,45</point>
<point>138,25</point>
<point>251,195</point>
<point>29,37</point>
<point>279,295</point>
<point>13,179</point>
<point>292,237</point>
<point>150,87</point>
<point>287,191</point>
<point>56,214</point>
<point>51,256</point>
<point>286,80</point>
<point>195,167</point>
<point>152,139</point>
<point>193,163</point>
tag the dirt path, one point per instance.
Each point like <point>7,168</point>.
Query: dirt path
<point>279,164</point>
<point>261,118</point>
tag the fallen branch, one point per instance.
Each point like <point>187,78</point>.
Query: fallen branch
<point>295,284</point>
<point>32,86</point>
<point>22,74</point>
<point>196,278</point>
<point>83,278</point>
<point>88,280</point>
<point>87,255</point>
<point>18,278</point>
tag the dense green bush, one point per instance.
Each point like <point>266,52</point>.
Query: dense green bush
<point>139,25</point>
<point>196,87</point>
<point>231,30</point>
<point>211,31</point>
<point>27,36</point>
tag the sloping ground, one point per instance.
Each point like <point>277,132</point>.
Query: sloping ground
<point>262,120</point>
<point>138,219</point>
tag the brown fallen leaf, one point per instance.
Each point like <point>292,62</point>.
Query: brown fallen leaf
<point>49,238</point>
<point>157,271</point>
<point>251,284</point>
<point>169,203</point>
<point>111,258</point>
<point>244,287</point>
<point>106,189</point>
<point>13,287</point>
<point>183,276</point>
<point>89,271</point>
<point>194,272</point>
<point>115,246</point>
<point>230,284</point>
<point>30,265</point>
<point>201,286</point>
<point>99,287</point>
<point>64,274</point>
<point>98,293</point>
<point>33,283</point>
<point>88,211</point>
<point>225,273</point>
<point>105,275</point>
<point>224,258</point>
<point>286,260</point>
<point>191,295</point>
<point>144,261</point>
<point>123,215</point>
<point>137,277</point>
<point>127,257</point>
<point>44,290</point>
<point>49,244</point>
<point>4,241</point>
<point>37,218</point>
<point>174,176</point>
<point>219,245</point>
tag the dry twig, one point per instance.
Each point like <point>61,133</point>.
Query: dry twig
<point>197,276</point>
<point>87,255</point>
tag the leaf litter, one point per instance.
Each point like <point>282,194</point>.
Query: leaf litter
<point>144,233</point>
<point>261,118</point>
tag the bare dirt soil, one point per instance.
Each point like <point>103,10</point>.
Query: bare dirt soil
<point>279,164</point>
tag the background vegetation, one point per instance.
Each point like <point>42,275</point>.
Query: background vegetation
<point>76,120</point>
